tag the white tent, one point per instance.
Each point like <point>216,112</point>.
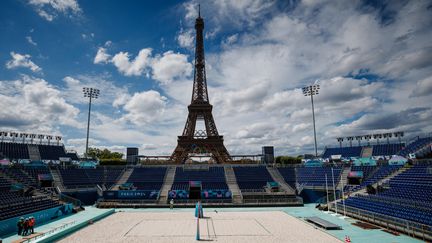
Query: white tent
<point>397,160</point>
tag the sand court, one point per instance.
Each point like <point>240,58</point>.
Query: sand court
<point>270,226</point>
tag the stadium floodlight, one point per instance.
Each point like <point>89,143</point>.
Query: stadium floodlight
<point>368,138</point>
<point>388,136</point>
<point>312,90</point>
<point>40,136</point>
<point>340,140</point>
<point>49,137</point>
<point>377,137</point>
<point>32,136</point>
<point>58,138</point>
<point>91,93</point>
<point>13,135</point>
<point>399,135</point>
<point>23,136</point>
<point>350,139</point>
<point>3,134</point>
<point>359,138</point>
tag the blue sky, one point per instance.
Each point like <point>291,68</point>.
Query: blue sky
<point>373,60</point>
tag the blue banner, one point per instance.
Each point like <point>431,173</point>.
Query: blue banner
<point>131,194</point>
<point>355,174</point>
<point>8,226</point>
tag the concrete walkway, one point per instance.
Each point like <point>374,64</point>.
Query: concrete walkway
<point>65,224</point>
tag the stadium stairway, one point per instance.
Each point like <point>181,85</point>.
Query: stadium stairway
<point>367,152</point>
<point>343,177</point>
<point>277,177</point>
<point>166,187</point>
<point>58,182</point>
<point>232,184</point>
<point>33,151</point>
<point>387,178</point>
<point>23,178</point>
<point>123,178</point>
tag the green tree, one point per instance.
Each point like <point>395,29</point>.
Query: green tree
<point>284,160</point>
<point>104,154</point>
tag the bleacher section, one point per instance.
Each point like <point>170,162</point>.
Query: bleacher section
<point>382,172</point>
<point>35,172</point>
<point>356,151</point>
<point>73,177</point>
<point>148,178</point>
<point>289,175</point>
<point>73,156</point>
<point>15,203</point>
<point>12,204</point>
<point>20,176</point>
<point>414,146</point>
<point>51,152</point>
<point>393,208</point>
<point>387,149</point>
<point>346,152</point>
<point>14,150</point>
<point>211,179</point>
<point>407,196</point>
<point>315,176</point>
<point>4,184</point>
<point>415,183</point>
<point>252,178</point>
<point>366,169</point>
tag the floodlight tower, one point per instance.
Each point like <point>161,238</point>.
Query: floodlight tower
<point>90,93</point>
<point>312,90</point>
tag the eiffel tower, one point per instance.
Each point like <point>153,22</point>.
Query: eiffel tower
<point>192,141</point>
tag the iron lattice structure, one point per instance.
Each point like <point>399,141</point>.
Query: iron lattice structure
<point>194,141</point>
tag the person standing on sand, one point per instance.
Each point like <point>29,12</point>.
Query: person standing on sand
<point>172,204</point>
<point>31,224</point>
<point>26,226</point>
<point>20,225</point>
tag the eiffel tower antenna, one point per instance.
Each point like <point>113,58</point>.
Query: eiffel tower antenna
<point>192,141</point>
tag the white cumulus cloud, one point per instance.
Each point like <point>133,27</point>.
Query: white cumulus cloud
<point>171,66</point>
<point>135,67</point>
<point>30,40</point>
<point>20,60</point>
<point>33,104</point>
<point>49,9</point>
<point>101,56</point>
<point>145,107</point>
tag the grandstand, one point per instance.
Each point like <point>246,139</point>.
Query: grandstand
<point>17,151</point>
<point>148,178</point>
<point>359,151</point>
<point>316,176</point>
<point>414,146</point>
<point>402,192</point>
<point>252,178</point>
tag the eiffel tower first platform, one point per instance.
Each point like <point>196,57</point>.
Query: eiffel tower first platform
<point>200,142</point>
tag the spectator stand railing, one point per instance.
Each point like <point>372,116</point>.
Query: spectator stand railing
<point>49,232</point>
<point>408,227</point>
<point>65,198</point>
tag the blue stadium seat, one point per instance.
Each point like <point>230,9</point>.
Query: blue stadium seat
<point>148,178</point>
<point>253,178</point>
<point>315,176</point>
<point>73,177</point>
<point>211,179</point>
<point>345,152</point>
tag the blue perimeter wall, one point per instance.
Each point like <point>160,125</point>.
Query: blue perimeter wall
<point>9,226</point>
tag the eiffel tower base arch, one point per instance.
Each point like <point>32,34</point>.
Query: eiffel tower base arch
<point>211,145</point>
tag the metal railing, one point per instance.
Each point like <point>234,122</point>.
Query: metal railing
<point>66,198</point>
<point>51,231</point>
<point>411,228</point>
